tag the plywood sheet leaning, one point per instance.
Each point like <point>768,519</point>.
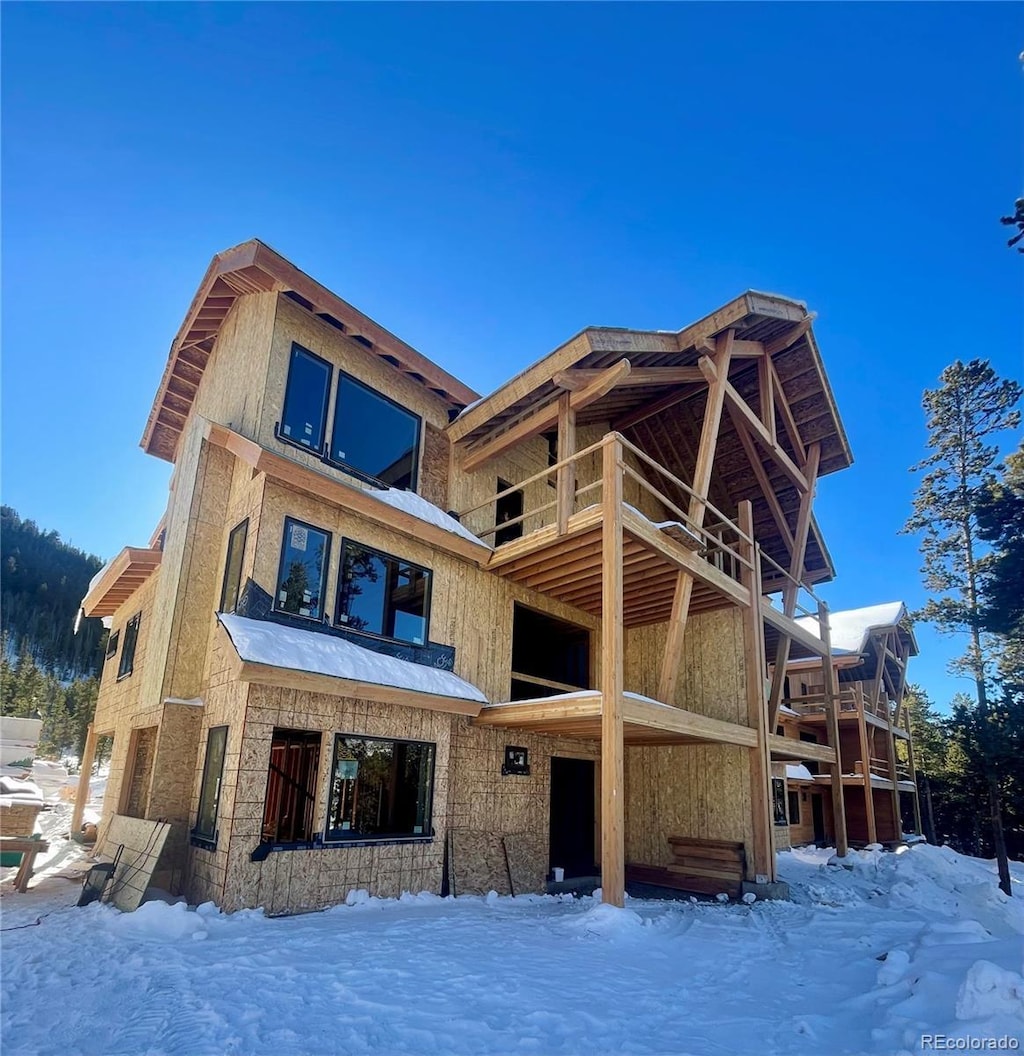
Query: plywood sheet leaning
<point>527,861</point>
<point>140,843</point>
<point>478,863</point>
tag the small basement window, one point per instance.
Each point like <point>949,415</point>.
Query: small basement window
<point>209,792</point>
<point>291,786</point>
<point>131,638</point>
<point>302,575</point>
<point>382,595</point>
<point>233,567</point>
<point>380,789</point>
<point>548,655</point>
<point>374,436</point>
<point>304,416</point>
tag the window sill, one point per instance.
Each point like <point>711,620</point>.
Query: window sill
<point>263,850</point>
<point>317,452</point>
<point>206,843</point>
<point>127,674</point>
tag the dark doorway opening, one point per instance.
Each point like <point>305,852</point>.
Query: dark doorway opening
<point>818,817</point>
<point>508,508</point>
<point>548,655</point>
<point>571,842</point>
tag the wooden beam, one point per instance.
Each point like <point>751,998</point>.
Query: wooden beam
<point>832,722</point>
<point>698,728</point>
<point>763,857</point>
<point>565,483</point>
<point>673,654</point>
<point>311,682</point>
<point>544,418</point>
<point>782,405</point>
<point>788,626</point>
<point>649,410</point>
<point>613,845</point>
<point>865,756</point>
<point>639,377</point>
<point>780,344</point>
<point>84,774</point>
<point>748,350</point>
<point>766,396</point>
<point>759,431</point>
<point>794,748</point>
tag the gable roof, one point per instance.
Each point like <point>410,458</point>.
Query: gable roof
<point>253,267</point>
<point>851,628</point>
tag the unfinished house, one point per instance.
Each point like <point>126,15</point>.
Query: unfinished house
<point>877,794</point>
<point>392,635</point>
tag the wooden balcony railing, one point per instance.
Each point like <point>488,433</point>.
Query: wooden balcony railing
<point>851,699</point>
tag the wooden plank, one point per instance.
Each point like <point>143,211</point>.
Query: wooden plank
<point>672,657</point>
<point>783,407</point>
<point>82,793</point>
<point>565,483</point>
<point>763,857</point>
<point>865,778</point>
<point>686,723</point>
<point>613,847</point>
<point>652,408</point>
<point>310,682</point>
<point>756,427</point>
<point>832,722</point>
<point>639,377</point>
<point>794,748</point>
<point>787,340</point>
<point>544,418</point>
<point>767,490</point>
<point>787,625</point>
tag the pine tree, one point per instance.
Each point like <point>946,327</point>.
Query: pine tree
<point>969,408</point>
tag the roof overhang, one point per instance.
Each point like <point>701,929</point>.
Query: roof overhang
<point>121,578</point>
<point>253,267</point>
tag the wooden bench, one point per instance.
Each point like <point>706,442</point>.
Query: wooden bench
<point>29,849</point>
<point>703,867</point>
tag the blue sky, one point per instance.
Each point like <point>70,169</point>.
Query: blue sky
<point>487,180</point>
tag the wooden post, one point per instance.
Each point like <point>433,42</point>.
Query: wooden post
<point>865,755</point>
<point>613,844</point>
<point>913,777</point>
<point>82,795</point>
<point>565,485</point>
<point>796,569</point>
<point>717,372</point>
<point>754,669</point>
<point>890,745</point>
<point>832,720</point>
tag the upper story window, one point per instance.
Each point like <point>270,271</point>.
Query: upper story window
<point>233,567</point>
<point>381,594</point>
<point>131,638</point>
<point>302,575</point>
<point>374,436</point>
<point>112,645</point>
<point>304,417</point>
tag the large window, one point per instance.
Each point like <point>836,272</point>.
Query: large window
<point>209,793</point>
<point>301,578</point>
<point>380,789</point>
<point>131,638</point>
<point>291,786</point>
<point>233,567</point>
<point>381,594</point>
<point>374,435</point>
<point>304,417</point>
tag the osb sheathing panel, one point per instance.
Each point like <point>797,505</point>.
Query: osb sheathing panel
<point>493,806</point>
<point>712,679</point>
<point>433,482</point>
<point>470,609</point>
<point>780,835</point>
<point>139,772</point>
<point>311,879</point>
<point>700,791</point>
<point>224,705</point>
<point>170,793</point>
<point>201,560</point>
<point>137,844</point>
<point>294,324</point>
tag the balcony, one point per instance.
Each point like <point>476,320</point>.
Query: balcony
<point>854,701</point>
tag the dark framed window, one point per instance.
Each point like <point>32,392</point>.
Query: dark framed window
<point>382,595</point>
<point>209,792</point>
<point>779,800</point>
<point>302,575</point>
<point>131,638</point>
<point>374,436</point>
<point>380,789</point>
<point>233,567</point>
<point>291,786</point>
<point>112,644</point>
<point>304,415</point>
<point>507,508</point>
<point>794,807</point>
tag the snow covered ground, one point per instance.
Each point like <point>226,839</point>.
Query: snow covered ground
<point>863,960</point>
